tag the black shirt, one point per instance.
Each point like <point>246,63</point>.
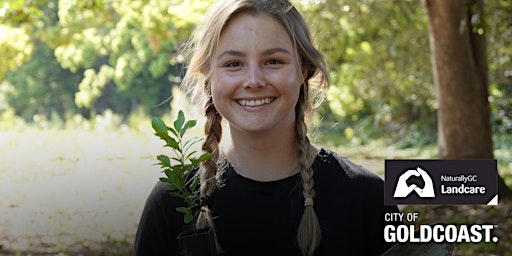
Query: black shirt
<point>261,218</point>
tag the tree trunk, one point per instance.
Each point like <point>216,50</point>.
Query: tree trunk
<point>459,58</point>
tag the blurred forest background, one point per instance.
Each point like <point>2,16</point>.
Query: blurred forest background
<point>80,72</point>
<point>63,59</point>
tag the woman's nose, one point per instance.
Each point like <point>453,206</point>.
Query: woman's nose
<point>254,77</point>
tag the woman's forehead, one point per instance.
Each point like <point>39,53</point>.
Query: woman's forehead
<point>254,29</point>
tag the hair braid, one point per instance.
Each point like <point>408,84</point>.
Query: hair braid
<point>309,233</point>
<point>208,170</point>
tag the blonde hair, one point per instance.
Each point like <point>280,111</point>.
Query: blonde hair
<point>201,51</point>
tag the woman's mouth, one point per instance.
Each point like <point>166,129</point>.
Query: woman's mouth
<point>256,102</point>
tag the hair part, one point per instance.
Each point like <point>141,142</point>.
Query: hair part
<point>201,53</point>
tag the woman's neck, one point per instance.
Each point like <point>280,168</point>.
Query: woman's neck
<point>263,157</point>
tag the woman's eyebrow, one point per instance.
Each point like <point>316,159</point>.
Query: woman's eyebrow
<point>276,50</point>
<point>265,53</point>
<point>231,53</point>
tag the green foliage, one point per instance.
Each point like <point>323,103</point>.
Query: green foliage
<point>9,121</point>
<point>15,48</point>
<point>124,52</point>
<point>16,12</point>
<point>18,20</point>
<point>379,56</point>
<point>499,31</point>
<point>380,63</point>
<point>126,45</point>
<point>180,169</point>
<point>139,39</point>
<point>501,107</point>
<point>42,87</point>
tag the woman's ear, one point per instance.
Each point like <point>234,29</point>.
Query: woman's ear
<point>305,72</point>
<point>308,70</point>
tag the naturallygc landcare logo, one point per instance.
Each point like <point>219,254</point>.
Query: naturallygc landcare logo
<point>439,182</point>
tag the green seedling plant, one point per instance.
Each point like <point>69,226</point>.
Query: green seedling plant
<point>180,168</point>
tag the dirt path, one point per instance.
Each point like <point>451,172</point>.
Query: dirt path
<point>56,191</point>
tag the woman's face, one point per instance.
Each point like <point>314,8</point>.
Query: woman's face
<point>256,76</point>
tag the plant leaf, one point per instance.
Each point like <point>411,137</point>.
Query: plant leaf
<point>188,218</point>
<point>170,185</point>
<point>187,125</point>
<point>173,144</point>
<point>205,156</point>
<point>189,156</point>
<point>178,124</point>
<point>164,160</point>
<point>178,170</point>
<point>159,127</point>
<point>173,131</point>
<point>182,210</point>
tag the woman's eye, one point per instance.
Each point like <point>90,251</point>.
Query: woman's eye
<point>233,64</point>
<point>273,62</point>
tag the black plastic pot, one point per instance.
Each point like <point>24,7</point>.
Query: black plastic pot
<point>200,242</point>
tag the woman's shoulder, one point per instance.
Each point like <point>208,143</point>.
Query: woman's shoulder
<point>161,197</point>
<point>345,165</point>
<point>160,190</point>
<point>340,175</point>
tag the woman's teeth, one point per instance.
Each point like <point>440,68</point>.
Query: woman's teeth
<point>254,103</point>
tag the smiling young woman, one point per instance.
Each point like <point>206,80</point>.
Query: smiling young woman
<point>271,191</point>
<point>257,77</point>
